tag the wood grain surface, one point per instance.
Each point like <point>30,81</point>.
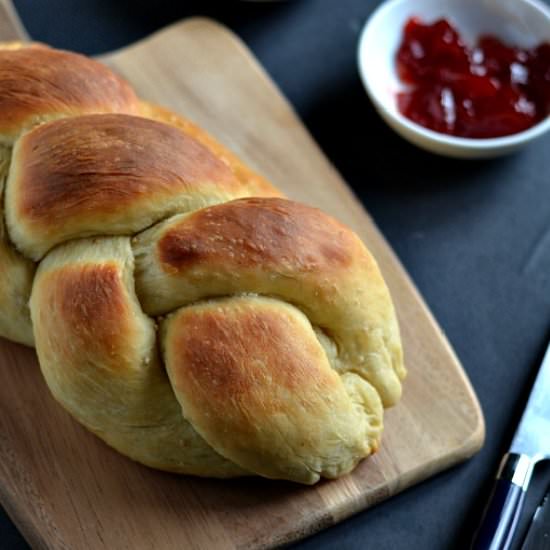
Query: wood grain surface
<point>65,489</point>
<point>11,27</point>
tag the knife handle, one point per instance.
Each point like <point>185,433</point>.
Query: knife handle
<point>505,503</point>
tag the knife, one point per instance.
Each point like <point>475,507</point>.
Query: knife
<point>538,536</point>
<point>531,444</point>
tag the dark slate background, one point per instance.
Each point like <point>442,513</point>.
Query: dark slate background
<point>475,236</point>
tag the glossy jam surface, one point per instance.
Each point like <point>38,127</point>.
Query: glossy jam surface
<point>490,90</point>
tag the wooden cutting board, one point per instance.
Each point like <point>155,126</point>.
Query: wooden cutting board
<point>65,489</point>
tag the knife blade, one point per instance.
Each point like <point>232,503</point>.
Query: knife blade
<point>531,443</point>
<point>538,536</point>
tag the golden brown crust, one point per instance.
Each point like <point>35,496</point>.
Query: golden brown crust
<point>256,184</point>
<point>98,353</point>
<point>39,83</point>
<point>93,297</point>
<point>277,247</point>
<point>84,313</point>
<point>107,174</point>
<point>107,161</point>
<point>253,379</point>
<point>218,362</point>
<point>277,233</point>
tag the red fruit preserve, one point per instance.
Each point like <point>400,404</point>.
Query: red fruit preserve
<point>490,90</point>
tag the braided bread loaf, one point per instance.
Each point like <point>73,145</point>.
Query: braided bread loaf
<point>181,309</point>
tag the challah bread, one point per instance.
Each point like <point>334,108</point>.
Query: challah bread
<point>98,353</point>
<point>253,379</point>
<point>39,84</point>
<point>283,249</point>
<point>181,309</point>
<point>16,275</point>
<point>65,176</point>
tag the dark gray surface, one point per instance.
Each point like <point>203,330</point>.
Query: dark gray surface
<point>475,236</point>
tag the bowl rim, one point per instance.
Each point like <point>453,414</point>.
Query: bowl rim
<point>463,143</point>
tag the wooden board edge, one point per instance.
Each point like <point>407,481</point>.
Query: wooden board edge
<point>20,519</point>
<point>412,478</point>
<point>28,530</point>
<point>11,26</point>
<point>476,438</point>
<point>23,518</point>
<point>192,21</point>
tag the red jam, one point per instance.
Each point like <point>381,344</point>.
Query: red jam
<point>487,91</point>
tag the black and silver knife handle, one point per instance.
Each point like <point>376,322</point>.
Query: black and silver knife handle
<point>505,503</point>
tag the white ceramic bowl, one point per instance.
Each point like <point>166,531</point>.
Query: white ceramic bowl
<point>525,23</point>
